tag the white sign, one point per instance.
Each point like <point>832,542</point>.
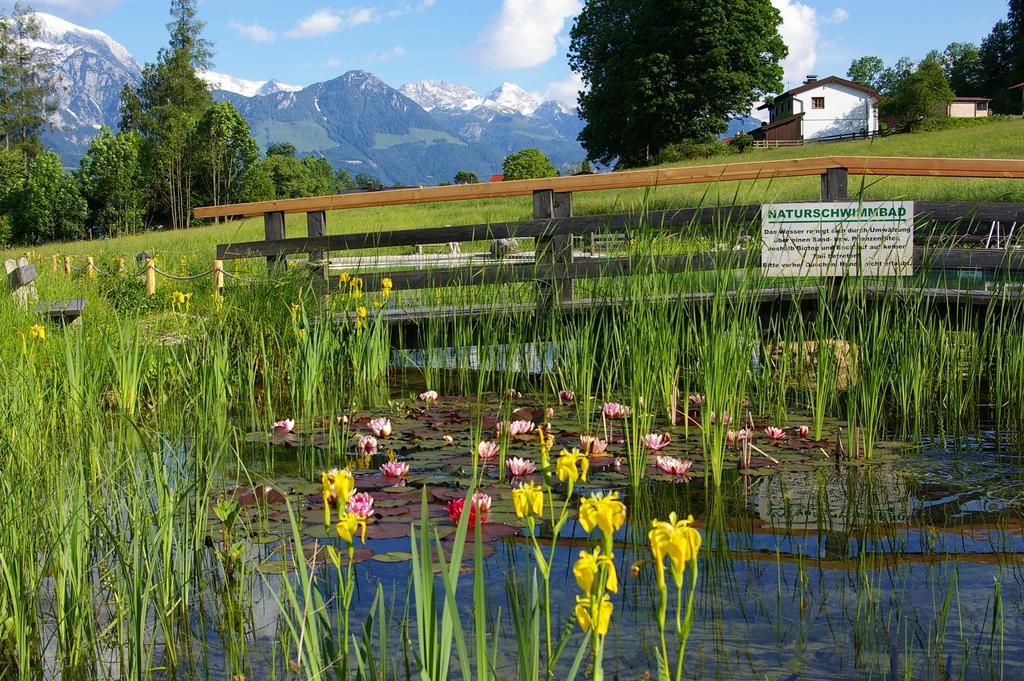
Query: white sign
<point>837,239</point>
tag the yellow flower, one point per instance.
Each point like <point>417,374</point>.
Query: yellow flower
<point>179,298</point>
<point>386,293</point>
<point>587,567</point>
<point>37,332</point>
<point>676,540</point>
<point>604,511</point>
<point>355,282</point>
<point>356,294</point>
<point>360,323</point>
<point>361,311</point>
<point>386,283</point>
<point>528,500</point>
<point>338,486</point>
<point>596,615</point>
<point>302,334</point>
<point>348,524</point>
<point>343,278</point>
<point>572,466</point>
<point>378,304</point>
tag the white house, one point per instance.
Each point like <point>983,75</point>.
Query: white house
<point>821,108</point>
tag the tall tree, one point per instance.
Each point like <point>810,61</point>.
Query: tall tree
<point>962,64</point>
<point>996,60</point>
<point>166,108</point>
<point>891,77</point>
<point>922,95</point>
<point>27,87</point>
<point>658,73</point>
<point>49,206</point>
<point>866,70</point>
<point>113,182</point>
<point>227,149</point>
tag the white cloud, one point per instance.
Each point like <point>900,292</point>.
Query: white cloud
<point>566,90</point>
<point>800,32</point>
<point>332,63</point>
<point>524,33</point>
<point>387,55</point>
<point>326,21</point>
<point>410,8</point>
<point>838,16</point>
<point>254,32</point>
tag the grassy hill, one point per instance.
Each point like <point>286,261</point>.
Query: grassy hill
<point>999,139</point>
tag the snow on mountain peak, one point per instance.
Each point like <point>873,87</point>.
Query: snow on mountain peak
<point>63,37</point>
<point>246,88</point>
<point>440,94</point>
<point>511,97</point>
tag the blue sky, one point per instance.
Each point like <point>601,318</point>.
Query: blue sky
<point>485,42</point>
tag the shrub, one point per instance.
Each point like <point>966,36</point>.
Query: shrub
<point>691,149</point>
<point>528,164</point>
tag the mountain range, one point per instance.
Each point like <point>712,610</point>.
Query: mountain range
<point>419,133</point>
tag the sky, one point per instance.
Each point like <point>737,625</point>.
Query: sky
<point>483,43</point>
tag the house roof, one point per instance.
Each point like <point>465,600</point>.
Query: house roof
<point>830,80</point>
<point>497,177</point>
<point>1017,86</point>
<point>782,121</point>
<point>972,99</point>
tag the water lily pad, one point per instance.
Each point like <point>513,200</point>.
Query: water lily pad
<point>393,557</point>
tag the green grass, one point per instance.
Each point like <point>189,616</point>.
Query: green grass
<point>1000,139</point>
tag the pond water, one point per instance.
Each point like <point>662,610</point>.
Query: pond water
<point>907,566</point>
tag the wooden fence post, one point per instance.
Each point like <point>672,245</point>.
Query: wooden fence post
<point>53,261</point>
<point>67,265</point>
<point>273,230</point>
<point>90,268</point>
<point>554,249</point>
<point>218,278</point>
<point>150,278</point>
<point>316,226</point>
<point>121,269</point>
<point>835,185</point>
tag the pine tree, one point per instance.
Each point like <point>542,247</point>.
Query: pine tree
<point>27,88</point>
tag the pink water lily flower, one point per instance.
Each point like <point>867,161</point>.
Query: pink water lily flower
<point>657,441</point>
<point>804,431</point>
<point>520,427</point>
<point>590,444</point>
<point>360,505</point>
<point>725,418</point>
<point>774,433</point>
<point>487,450</point>
<point>480,502</point>
<point>518,467</point>
<point>513,394</point>
<point>394,469</point>
<point>448,438</point>
<point>367,444</point>
<point>614,410</point>
<point>696,400</point>
<point>284,427</point>
<point>674,466</point>
<point>381,427</point>
<point>566,395</point>
<point>429,396</point>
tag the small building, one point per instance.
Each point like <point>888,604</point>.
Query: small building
<point>497,177</point>
<point>829,107</point>
<point>969,107</point>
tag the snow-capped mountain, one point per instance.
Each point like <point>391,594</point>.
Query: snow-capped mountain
<point>246,88</point>
<point>509,97</point>
<point>439,94</point>
<point>90,68</point>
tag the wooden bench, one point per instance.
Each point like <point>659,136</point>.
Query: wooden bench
<point>22,275</point>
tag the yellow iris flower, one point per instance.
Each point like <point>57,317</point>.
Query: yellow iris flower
<point>604,511</point>
<point>37,332</point>
<point>572,466</point>
<point>348,524</point>
<point>528,500</point>
<point>597,615</point>
<point>386,283</point>
<point>677,541</point>
<point>361,311</point>
<point>587,567</point>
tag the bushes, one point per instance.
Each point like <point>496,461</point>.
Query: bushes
<point>691,149</point>
<point>528,164</point>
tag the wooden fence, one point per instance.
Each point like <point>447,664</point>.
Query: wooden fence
<point>553,225</point>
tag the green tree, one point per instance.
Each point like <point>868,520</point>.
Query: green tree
<point>961,63</point>
<point>114,183</point>
<point>320,178</point>
<point>288,176</point>
<point>281,149</point>
<point>922,95</point>
<point>49,206</point>
<point>891,77</point>
<point>658,73</point>
<point>866,70</point>
<point>27,88</point>
<point>343,181</point>
<point>227,149</point>
<point>368,182</point>
<point>466,177</point>
<point>13,174</point>
<point>527,164</point>
<point>257,185</point>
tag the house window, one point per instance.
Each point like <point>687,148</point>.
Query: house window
<point>817,102</point>
<point>981,106</point>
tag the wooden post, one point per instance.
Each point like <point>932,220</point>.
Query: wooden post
<point>121,269</point>
<point>53,261</point>
<point>218,278</point>
<point>90,268</point>
<point>67,265</point>
<point>316,226</point>
<point>835,185</point>
<point>555,249</point>
<point>273,230</point>
<point>150,278</point>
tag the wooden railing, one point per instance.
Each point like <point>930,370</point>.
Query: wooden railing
<point>553,225</point>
